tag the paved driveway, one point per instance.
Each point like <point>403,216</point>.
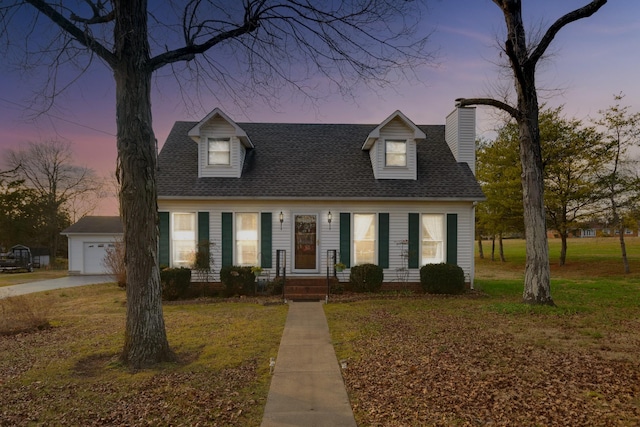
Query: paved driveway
<point>47,285</point>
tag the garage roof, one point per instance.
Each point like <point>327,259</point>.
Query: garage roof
<point>95,225</point>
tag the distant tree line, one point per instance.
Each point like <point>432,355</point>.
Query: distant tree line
<point>41,193</point>
<point>590,174</point>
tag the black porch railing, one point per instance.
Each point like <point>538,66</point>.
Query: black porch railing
<point>332,259</point>
<point>281,267</point>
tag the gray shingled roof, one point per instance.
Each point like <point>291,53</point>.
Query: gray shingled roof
<point>313,161</point>
<point>95,225</point>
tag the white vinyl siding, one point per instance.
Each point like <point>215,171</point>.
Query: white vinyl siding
<point>329,238</point>
<point>183,239</point>
<point>220,130</point>
<point>394,131</point>
<point>460,134</point>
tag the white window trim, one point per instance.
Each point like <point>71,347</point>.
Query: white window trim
<point>406,153</point>
<point>235,240</point>
<point>443,239</point>
<point>172,243</point>
<point>375,238</point>
<point>228,140</point>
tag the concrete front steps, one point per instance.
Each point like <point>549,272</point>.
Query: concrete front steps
<point>305,289</point>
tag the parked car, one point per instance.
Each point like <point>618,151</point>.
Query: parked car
<point>17,259</point>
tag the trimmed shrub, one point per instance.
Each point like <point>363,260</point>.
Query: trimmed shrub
<point>442,279</point>
<point>175,283</point>
<point>366,278</point>
<point>237,280</point>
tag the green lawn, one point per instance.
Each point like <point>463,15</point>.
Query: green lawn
<point>69,374</point>
<point>479,359</point>
<point>487,359</point>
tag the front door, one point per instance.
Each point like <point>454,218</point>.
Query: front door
<point>305,242</point>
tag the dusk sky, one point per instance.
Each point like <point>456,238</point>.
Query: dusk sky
<point>592,59</point>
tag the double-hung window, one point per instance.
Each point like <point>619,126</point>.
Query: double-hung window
<point>247,244</point>
<point>183,237</point>
<point>219,151</point>
<point>395,153</point>
<point>364,239</point>
<point>432,239</point>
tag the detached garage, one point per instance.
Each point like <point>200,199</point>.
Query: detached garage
<point>89,240</point>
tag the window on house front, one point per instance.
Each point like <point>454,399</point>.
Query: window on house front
<point>183,237</point>
<point>395,153</point>
<point>364,239</point>
<point>219,151</point>
<point>432,239</point>
<point>247,239</point>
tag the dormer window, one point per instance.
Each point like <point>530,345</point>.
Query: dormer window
<point>396,153</point>
<point>220,151</point>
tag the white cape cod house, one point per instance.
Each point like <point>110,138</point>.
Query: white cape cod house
<point>297,196</point>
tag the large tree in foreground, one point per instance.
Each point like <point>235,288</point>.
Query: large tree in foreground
<point>524,57</point>
<point>244,48</point>
<point>571,154</point>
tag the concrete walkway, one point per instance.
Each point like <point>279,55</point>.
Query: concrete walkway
<point>48,285</point>
<point>307,387</point>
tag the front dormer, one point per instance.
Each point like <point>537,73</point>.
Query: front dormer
<point>222,146</point>
<point>392,148</point>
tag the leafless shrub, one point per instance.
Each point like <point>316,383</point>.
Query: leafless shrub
<point>114,263</point>
<point>23,313</point>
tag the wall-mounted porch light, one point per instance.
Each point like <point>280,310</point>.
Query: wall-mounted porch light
<point>329,218</point>
<point>281,219</point>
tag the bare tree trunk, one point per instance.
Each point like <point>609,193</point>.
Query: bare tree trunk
<point>563,247</point>
<point>493,247</point>
<point>501,246</point>
<point>537,274</point>
<point>145,336</point>
<point>623,249</point>
<point>480,250</point>
<point>523,58</point>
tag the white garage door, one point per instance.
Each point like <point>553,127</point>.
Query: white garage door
<point>93,257</point>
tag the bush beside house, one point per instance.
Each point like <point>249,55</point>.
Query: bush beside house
<point>366,278</point>
<point>442,279</point>
<point>237,280</point>
<point>175,283</point>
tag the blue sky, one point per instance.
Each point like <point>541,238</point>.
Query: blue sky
<point>590,60</point>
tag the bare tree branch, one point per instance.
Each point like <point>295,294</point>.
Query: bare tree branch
<point>81,36</point>
<point>583,12</point>
<point>465,102</point>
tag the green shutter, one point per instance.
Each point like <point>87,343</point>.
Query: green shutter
<point>203,228</point>
<point>163,239</point>
<point>414,240</point>
<point>265,239</point>
<point>383,240</point>
<point>203,238</point>
<point>345,238</point>
<point>452,238</point>
<point>227,239</point>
